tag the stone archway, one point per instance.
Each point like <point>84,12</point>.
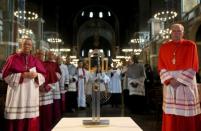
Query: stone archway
<point>86,26</point>
<point>95,43</point>
<point>96,28</point>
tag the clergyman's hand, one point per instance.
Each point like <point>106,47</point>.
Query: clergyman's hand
<point>30,75</point>
<point>26,74</point>
<point>33,75</point>
<point>174,83</point>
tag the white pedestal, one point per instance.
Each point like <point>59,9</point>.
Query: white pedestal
<point>116,124</point>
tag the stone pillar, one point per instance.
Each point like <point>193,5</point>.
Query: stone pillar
<point>8,18</point>
<point>7,44</point>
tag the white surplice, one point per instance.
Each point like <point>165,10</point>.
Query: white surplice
<point>22,100</point>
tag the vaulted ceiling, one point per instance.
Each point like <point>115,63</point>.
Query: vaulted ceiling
<point>59,15</point>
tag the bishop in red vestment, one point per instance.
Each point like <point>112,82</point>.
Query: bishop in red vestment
<point>177,65</point>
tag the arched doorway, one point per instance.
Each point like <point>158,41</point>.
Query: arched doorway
<point>95,42</point>
<point>96,33</point>
<point>96,20</point>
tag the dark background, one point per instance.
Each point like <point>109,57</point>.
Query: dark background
<point>59,15</point>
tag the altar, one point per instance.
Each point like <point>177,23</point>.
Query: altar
<point>116,124</point>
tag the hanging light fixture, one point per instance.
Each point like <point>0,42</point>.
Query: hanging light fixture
<point>165,34</point>
<point>60,50</point>
<point>165,15</point>
<point>123,57</point>
<point>25,33</point>
<point>137,51</point>
<point>127,50</point>
<point>26,15</point>
<point>54,40</point>
<point>137,40</point>
<point>65,50</point>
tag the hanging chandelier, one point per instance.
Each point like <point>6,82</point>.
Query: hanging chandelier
<point>137,40</point>
<point>26,15</point>
<point>65,50</point>
<point>54,40</point>
<point>25,33</point>
<point>165,34</point>
<point>137,51</point>
<point>123,57</point>
<point>60,50</point>
<point>127,50</point>
<point>165,15</point>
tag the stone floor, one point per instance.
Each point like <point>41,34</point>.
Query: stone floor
<point>149,120</point>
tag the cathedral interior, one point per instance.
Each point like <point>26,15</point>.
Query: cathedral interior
<point>120,29</point>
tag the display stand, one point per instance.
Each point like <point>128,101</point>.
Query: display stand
<point>96,99</point>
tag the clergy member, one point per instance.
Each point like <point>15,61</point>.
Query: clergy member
<point>177,65</point>
<point>71,95</point>
<point>63,82</point>
<point>81,86</point>
<point>136,77</point>
<point>46,100</point>
<point>24,74</point>
<point>52,83</point>
<point>115,85</point>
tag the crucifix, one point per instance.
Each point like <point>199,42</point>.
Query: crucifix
<point>96,121</point>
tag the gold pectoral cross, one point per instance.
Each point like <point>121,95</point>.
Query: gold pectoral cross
<point>174,58</point>
<point>174,61</point>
